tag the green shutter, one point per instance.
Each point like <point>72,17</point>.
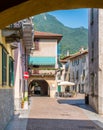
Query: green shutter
<point>4,67</point>
<point>59,88</point>
<point>11,72</point>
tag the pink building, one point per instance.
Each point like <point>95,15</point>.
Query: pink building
<point>43,64</point>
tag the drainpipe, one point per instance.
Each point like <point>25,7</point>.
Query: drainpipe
<point>26,85</point>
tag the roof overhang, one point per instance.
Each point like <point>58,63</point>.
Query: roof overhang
<point>47,35</point>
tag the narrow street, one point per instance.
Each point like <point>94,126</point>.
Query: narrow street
<point>48,114</point>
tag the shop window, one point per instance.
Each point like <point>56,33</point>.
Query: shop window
<point>4,67</point>
<point>11,72</point>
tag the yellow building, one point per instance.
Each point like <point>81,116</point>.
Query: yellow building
<point>9,38</point>
<point>6,80</point>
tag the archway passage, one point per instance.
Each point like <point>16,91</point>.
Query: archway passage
<point>33,7</point>
<point>38,88</point>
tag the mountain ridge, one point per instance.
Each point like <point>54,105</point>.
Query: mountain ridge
<point>73,38</point>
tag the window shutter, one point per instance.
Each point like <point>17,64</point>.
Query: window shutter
<point>4,67</point>
<point>11,72</point>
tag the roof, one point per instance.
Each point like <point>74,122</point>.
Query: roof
<point>72,56</point>
<point>63,61</point>
<point>47,35</point>
<point>41,60</point>
<point>80,53</point>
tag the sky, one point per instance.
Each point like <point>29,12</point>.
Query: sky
<point>72,18</point>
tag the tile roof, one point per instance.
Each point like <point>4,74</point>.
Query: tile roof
<point>72,56</point>
<point>47,35</point>
<point>78,54</point>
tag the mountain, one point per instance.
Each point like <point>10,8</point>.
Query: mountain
<point>73,38</point>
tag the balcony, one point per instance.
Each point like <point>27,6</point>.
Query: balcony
<point>42,72</point>
<point>28,34</point>
<point>13,32</point>
<point>14,45</point>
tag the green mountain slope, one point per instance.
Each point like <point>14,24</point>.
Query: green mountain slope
<point>73,38</point>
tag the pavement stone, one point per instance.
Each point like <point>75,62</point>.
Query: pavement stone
<point>56,114</point>
<point>50,114</point>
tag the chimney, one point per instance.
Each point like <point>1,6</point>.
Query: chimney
<point>68,53</point>
<point>81,50</point>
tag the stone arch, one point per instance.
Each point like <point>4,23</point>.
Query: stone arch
<point>31,7</point>
<point>38,87</point>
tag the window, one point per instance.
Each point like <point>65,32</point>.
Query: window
<point>84,59</point>
<point>73,76</point>
<point>36,44</point>
<point>92,51</point>
<point>69,76</point>
<point>77,61</point>
<point>4,67</point>
<point>77,75</point>
<point>83,75</point>
<point>11,72</point>
<point>73,63</point>
<point>92,17</point>
<point>92,82</point>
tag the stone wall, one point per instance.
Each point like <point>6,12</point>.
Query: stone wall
<point>93,58</point>
<point>6,106</point>
<point>96,59</point>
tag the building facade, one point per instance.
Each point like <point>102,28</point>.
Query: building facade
<point>75,69</point>
<point>20,65</point>
<point>14,49</point>
<point>96,59</point>
<point>43,63</point>
<point>6,78</point>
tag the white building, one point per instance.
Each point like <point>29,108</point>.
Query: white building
<point>76,70</point>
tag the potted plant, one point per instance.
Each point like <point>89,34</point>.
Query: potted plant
<point>22,103</point>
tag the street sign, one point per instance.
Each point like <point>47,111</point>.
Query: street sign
<point>26,75</point>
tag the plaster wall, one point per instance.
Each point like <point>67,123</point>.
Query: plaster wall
<point>47,47</point>
<point>6,92</point>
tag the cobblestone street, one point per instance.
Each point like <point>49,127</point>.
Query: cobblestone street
<point>50,114</point>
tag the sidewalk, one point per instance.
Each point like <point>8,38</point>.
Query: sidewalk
<point>19,121</point>
<point>97,119</point>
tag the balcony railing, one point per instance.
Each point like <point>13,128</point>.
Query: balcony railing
<point>43,72</point>
<point>28,34</point>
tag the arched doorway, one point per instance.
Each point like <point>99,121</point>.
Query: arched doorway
<point>38,88</point>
